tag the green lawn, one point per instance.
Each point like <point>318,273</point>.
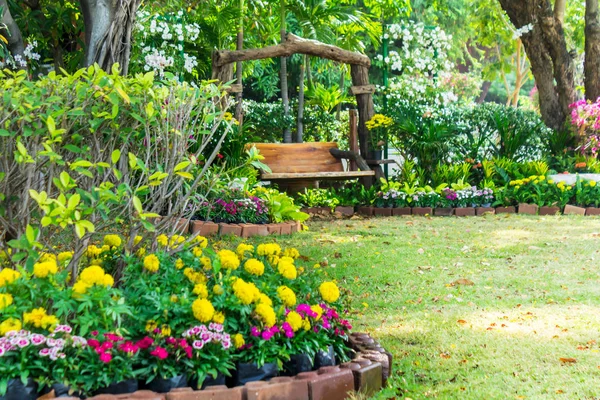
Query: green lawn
<point>534,300</point>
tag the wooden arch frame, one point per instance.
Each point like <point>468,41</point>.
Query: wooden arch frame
<point>223,60</point>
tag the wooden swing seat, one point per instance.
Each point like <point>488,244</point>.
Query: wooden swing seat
<point>304,162</point>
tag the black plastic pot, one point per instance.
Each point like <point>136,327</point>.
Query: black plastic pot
<point>250,372</point>
<point>298,363</point>
<point>208,381</point>
<point>61,390</point>
<point>162,385</point>
<point>325,358</point>
<point>123,387</point>
<point>16,390</point>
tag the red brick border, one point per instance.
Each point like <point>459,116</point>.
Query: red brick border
<point>208,228</point>
<point>367,373</point>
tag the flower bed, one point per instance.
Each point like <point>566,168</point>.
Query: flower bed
<point>181,313</point>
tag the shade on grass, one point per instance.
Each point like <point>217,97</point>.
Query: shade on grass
<point>527,327</point>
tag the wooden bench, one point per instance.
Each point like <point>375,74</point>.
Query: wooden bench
<point>299,165</point>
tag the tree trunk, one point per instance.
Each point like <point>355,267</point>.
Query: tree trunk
<point>108,28</point>
<point>238,65</point>
<point>559,10</point>
<point>300,122</point>
<point>592,51</point>
<point>550,60</point>
<point>287,133</point>
<point>338,109</point>
<point>15,39</point>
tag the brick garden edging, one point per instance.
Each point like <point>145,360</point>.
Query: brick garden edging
<point>208,228</point>
<point>367,372</point>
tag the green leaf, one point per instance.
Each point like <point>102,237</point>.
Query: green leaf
<point>115,156</point>
<point>137,204</point>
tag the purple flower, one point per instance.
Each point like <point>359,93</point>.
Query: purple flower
<point>255,331</point>
<point>198,344</point>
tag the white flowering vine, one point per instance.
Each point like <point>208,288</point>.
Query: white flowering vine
<point>162,40</point>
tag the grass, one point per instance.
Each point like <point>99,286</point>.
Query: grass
<point>534,300</point>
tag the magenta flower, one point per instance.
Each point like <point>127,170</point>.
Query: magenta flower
<point>160,352</point>
<point>106,357</point>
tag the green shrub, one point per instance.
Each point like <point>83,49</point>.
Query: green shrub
<point>96,152</point>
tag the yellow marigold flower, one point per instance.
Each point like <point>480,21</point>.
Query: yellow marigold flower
<point>291,252</point>
<point>49,322</point>
<point>92,251</point>
<point>8,276</point>
<point>206,263</point>
<point>137,240</point>
<point>179,263</point>
<point>112,240</point>
<point>300,270</point>
<point>64,256</point>
<point>242,249</point>
<point>219,318</point>
<point>151,263</point>
<point>264,299</point>
<point>165,330</point>
<point>295,320</point>
<point>197,251</point>
<point>151,325</point>
<point>108,280</point>
<point>317,309</point>
<point>141,252</point>
<point>229,259</point>
<point>218,289</point>
<point>34,317</point>
<point>273,260</point>
<point>5,300</point>
<point>238,340</point>
<point>254,267</point>
<point>47,257</point>
<point>245,292</point>
<point>193,276</point>
<point>96,261</point>
<point>162,240</point>
<point>306,324</point>
<point>592,183</point>
<point>201,291</point>
<point>288,271</point>
<point>173,298</point>
<point>203,310</point>
<point>176,240</point>
<point>104,248</point>
<point>329,292</point>
<point>93,275</point>
<point>266,314</point>
<point>286,295</point>
<point>10,324</point>
<point>268,249</point>
<point>43,269</point>
<point>201,241</point>
<point>80,287</point>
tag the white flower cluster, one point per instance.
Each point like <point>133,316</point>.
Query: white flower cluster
<point>522,30</point>
<point>422,51</point>
<point>162,39</point>
<point>22,61</point>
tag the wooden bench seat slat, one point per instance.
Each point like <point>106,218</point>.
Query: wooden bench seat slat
<point>318,175</point>
<point>295,162</point>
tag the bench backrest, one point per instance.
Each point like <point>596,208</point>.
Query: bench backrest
<point>300,157</point>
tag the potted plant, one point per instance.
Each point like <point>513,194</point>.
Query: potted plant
<point>401,205</point>
<point>587,194</point>
<point>505,201</point>
<point>108,365</point>
<point>483,200</point>
<point>212,355</point>
<point>523,190</point>
<point>446,200</point>
<point>377,126</point>
<point>465,198</point>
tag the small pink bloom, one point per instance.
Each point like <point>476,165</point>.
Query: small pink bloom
<point>160,353</point>
<point>106,357</point>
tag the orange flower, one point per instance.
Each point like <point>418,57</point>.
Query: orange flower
<point>580,165</point>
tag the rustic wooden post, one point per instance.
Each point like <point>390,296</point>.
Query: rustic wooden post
<point>353,136</point>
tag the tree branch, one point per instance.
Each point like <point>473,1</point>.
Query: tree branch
<point>15,39</point>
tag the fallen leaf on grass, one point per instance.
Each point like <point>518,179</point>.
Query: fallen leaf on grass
<point>421,251</point>
<point>567,360</point>
<point>445,355</point>
<point>462,281</point>
<point>337,255</point>
<point>461,321</point>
